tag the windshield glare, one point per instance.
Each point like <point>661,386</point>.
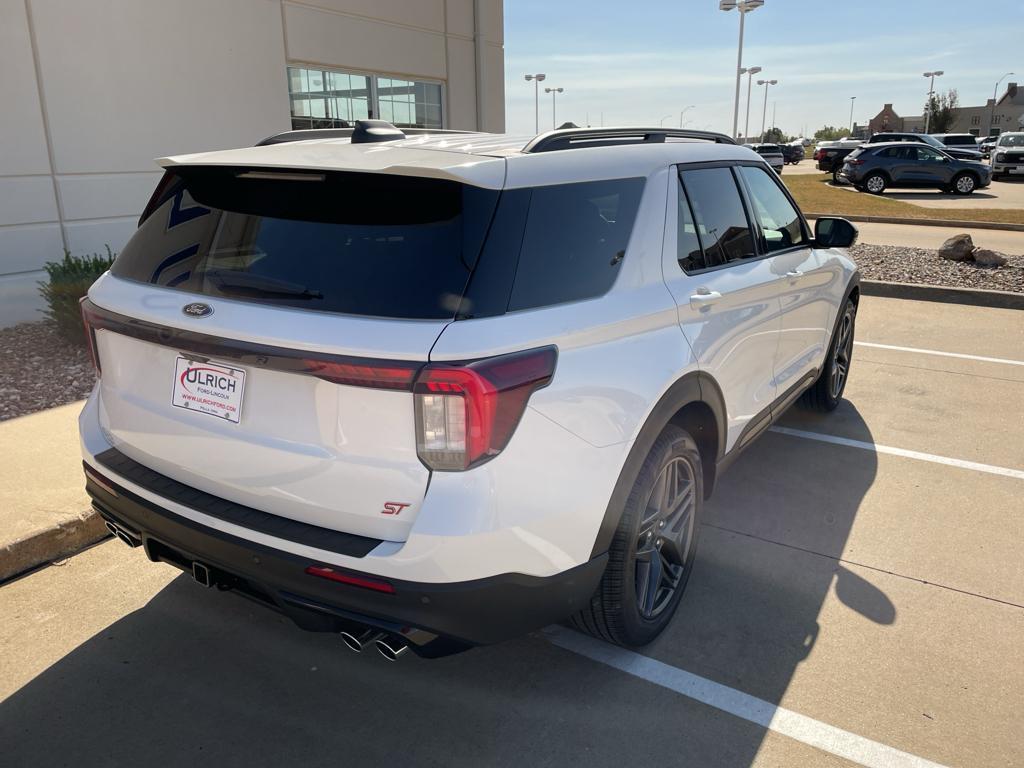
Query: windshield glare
<point>1012,140</point>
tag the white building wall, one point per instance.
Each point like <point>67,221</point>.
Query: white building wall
<point>92,92</point>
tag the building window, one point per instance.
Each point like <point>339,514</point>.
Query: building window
<point>976,120</point>
<point>329,99</point>
<point>997,119</point>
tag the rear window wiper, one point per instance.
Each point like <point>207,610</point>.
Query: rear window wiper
<point>236,283</point>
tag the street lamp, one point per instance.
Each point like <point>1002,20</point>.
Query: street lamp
<point>662,121</point>
<point>852,100</point>
<point>750,72</point>
<point>536,99</point>
<point>683,112</point>
<point>995,91</point>
<point>553,92</point>
<point>764,113</point>
<point>744,7</point>
<point>931,90</point>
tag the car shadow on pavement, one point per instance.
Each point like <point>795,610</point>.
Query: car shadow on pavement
<point>200,678</point>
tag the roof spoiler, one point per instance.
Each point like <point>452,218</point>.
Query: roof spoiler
<point>577,138</point>
<point>364,132</point>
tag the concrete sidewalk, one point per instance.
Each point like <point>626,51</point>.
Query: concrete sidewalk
<point>912,236</point>
<point>44,511</point>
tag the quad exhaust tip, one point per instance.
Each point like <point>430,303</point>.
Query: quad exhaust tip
<point>388,647</point>
<point>121,534</point>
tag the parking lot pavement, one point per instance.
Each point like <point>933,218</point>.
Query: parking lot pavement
<point>913,236</point>
<point>1003,193</point>
<point>851,605</point>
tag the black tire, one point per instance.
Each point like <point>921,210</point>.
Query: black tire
<point>824,395</point>
<point>835,174</point>
<point>859,187</point>
<point>964,183</point>
<point>875,183</point>
<point>615,612</point>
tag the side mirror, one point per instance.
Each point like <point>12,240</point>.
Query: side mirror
<point>831,232</point>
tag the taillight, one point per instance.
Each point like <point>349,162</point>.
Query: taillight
<point>377,585</point>
<point>855,162</point>
<point>466,413</point>
<point>90,333</point>
<point>386,375</point>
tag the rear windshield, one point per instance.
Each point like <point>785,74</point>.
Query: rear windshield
<point>768,149</point>
<point>378,244</point>
<point>966,139</point>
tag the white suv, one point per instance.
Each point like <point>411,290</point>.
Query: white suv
<point>434,391</point>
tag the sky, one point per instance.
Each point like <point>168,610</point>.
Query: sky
<point>645,61</point>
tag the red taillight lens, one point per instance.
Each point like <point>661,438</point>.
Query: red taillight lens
<point>341,577</point>
<point>855,162</point>
<point>466,413</point>
<point>90,333</point>
<point>386,375</point>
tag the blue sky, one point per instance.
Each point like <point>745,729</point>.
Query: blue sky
<point>637,62</point>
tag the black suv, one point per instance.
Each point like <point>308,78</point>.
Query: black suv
<point>876,167</point>
<point>960,152</point>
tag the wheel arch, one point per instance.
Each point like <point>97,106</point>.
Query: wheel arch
<point>695,403</point>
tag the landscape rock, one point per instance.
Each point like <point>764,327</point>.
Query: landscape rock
<point>957,248</point>
<point>986,258</point>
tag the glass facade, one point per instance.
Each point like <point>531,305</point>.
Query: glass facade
<point>328,99</point>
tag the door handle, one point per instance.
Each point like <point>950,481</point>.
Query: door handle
<point>794,274</point>
<point>704,298</point>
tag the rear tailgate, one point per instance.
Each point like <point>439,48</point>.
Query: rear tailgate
<point>289,389</point>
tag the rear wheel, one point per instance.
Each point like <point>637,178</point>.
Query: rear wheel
<point>825,394</point>
<point>875,183</point>
<point>652,553</point>
<point>964,184</point>
<point>835,174</point>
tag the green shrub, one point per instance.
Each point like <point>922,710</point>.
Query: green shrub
<point>70,279</point>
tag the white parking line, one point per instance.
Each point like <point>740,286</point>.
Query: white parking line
<point>959,355</point>
<point>802,728</point>
<point>865,446</point>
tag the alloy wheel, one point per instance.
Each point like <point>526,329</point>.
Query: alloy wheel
<point>965,185</point>
<point>665,541</point>
<point>875,184</point>
<point>841,356</point>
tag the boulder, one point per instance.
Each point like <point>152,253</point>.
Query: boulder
<point>957,248</point>
<point>986,258</point>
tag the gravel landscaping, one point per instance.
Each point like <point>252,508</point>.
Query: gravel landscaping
<point>896,264</point>
<point>40,370</point>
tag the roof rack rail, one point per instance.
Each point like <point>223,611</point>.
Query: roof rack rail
<point>576,138</point>
<point>364,131</point>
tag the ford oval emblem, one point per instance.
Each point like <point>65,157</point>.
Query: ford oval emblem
<point>197,309</point>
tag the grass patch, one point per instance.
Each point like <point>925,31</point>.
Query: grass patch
<point>814,195</point>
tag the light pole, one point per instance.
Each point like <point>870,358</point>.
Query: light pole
<point>662,121</point>
<point>683,112</point>
<point>744,7</point>
<point>750,71</point>
<point>536,99</point>
<point>852,100</point>
<point>931,90</point>
<point>553,92</point>
<point>995,91</point>
<point>764,112</point>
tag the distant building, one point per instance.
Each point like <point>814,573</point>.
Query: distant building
<point>1005,113</point>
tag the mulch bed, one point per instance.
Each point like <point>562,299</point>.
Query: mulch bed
<point>897,264</point>
<point>40,370</point>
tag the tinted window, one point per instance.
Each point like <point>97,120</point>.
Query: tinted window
<point>364,244</point>
<point>575,239</point>
<point>718,210</point>
<point>779,220</point>
<point>688,250</point>
<point>926,154</point>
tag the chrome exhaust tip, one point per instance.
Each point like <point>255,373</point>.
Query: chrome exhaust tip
<point>120,534</point>
<point>351,642</point>
<point>358,642</point>
<point>391,649</point>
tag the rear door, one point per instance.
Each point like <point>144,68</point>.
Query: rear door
<point>932,167</point>
<point>727,295</point>
<point>306,302</point>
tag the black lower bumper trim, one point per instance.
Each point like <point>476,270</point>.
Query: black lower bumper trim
<point>461,614</point>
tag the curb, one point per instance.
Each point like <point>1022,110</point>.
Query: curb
<point>59,540</point>
<point>1007,227</point>
<point>970,296</point>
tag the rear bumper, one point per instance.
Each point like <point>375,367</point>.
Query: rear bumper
<point>436,619</point>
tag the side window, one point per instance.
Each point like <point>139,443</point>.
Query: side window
<point>718,211</point>
<point>575,239</point>
<point>928,155</point>
<point>688,250</point>
<point>779,220</point>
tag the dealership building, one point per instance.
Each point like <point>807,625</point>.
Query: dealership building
<point>94,91</point>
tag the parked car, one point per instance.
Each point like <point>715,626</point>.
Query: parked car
<point>460,393</point>
<point>792,153</point>
<point>966,142</point>
<point>772,154</point>
<point>830,156</point>
<point>986,144</point>
<point>961,152</point>
<point>1008,155</point>
<point>877,167</point>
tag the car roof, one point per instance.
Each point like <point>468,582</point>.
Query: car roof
<point>492,161</point>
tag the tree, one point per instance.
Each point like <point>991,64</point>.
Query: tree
<point>830,133</point>
<point>940,111</point>
<point>774,136</point>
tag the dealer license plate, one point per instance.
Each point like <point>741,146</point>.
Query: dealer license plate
<point>211,388</point>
